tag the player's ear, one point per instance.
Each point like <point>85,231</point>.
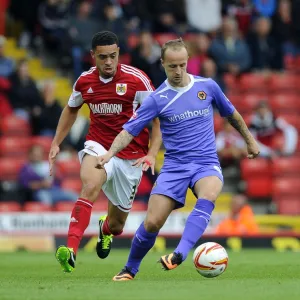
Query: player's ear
<point>92,54</point>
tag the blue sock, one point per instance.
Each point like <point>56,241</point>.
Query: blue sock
<point>195,226</point>
<point>142,242</point>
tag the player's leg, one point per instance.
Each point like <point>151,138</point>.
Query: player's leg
<point>109,226</point>
<point>159,208</point>
<point>92,181</point>
<point>207,190</point>
<point>120,190</point>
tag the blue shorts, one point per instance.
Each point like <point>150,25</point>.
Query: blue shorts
<point>173,181</point>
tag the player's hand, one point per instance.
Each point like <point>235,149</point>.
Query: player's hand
<point>252,149</point>
<point>148,161</point>
<point>102,160</point>
<point>54,150</point>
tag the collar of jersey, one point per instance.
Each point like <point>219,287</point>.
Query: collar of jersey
<point>106,80</point>
<point>181,89</point>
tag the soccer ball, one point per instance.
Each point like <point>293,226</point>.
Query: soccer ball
<point>210,259</point>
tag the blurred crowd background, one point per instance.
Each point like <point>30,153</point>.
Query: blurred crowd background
<point>251,49</point>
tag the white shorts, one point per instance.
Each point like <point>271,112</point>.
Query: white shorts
<point>123,179</point>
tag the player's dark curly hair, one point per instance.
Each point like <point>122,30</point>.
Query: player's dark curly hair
<point>104,38</point>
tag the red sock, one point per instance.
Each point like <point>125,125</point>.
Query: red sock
<point>80,219</point>
<point>106,229</point>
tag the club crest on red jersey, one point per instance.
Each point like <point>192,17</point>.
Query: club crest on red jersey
<point>121,88</point>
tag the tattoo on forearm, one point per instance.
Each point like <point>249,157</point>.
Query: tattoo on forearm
<point>121,141</point>
<point>239,124</point>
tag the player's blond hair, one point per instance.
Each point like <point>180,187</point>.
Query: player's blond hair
<point>174,45</point>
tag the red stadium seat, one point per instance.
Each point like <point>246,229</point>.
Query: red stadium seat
<point>259,187</point>
<point>288,205</point>
<point>72,184</point>
<point>10,168</point>
<point>232,83</point>
<point>292,119</point>
<point>282,82</point>
<point>286,186</point>
<point>145,186</point>
<point>247,103</point>
<point>43,141</point>
<point>14,146</point>
<point>69,168</point>
<point>285,103</point>
<point>37,207</point>
<point>64,206</point>
<point>218,122</point>
<point>161,38</point>
<point>253,82</point>
<point>286,166</point>
<point>15,126</point>
<point>139,206</point>
<point>252,168</point>
<point>10,206</point>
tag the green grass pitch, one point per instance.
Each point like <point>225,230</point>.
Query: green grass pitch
<point>251,274</point>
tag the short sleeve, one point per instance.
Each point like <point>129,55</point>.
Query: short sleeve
<point>75,99</point>
<point>223,104</point>
<point>141,117</point>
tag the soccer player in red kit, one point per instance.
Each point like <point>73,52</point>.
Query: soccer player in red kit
<point>113,92</point>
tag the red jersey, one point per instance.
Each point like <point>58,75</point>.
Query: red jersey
<point>112,103</point>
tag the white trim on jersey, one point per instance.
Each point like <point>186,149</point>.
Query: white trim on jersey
<point>201,79</point>
<point>179,91</point>
<point>137,73</point>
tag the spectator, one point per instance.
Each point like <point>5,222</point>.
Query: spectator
<point>34,179</point>
<point>81,27</point>
<point>198,53</point>
<point>24,95</point>
<point>265,127</point>
<point>45,122</point>
<point>230,146</point>
<point>229,51</point>
<point>203,15</point>
<point>146,56</point>
<point>265,8</point>
<point>296,22</point>
<point>6,64</point>
<point>241,220</point>
<point>266,52</point>
<point>209,70</point>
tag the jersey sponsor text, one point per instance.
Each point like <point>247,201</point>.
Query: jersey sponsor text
<point>106,108</point>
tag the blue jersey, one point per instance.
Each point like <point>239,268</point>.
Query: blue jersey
<point>186,119</point>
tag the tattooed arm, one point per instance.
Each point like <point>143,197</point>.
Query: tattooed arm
<point>239,124</point>
<point>121,141</point>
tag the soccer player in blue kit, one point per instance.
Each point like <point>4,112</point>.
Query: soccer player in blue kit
<point>184,105</point>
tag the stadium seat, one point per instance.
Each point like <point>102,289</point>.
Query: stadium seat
<point>139,206</point>
<point>14,146</point>
<point>218,122</point>
<point>283,166</point>
<point>292,119</point>
<point>231,83</point>
<point>285,103</point>
<point>161,38</point>
<point>10,206</point>
<point>248,102</point>
<point>282,82</point>
<point>14,126</point>
<point>43,141</point>
<point>253,168</point>
<point>253,82</point>
<point>101,205</point>
<point>259,187</point>
<point>36,207</point>
<point>10,168</point>
<point>72,184</point>
<point>289,186</point>
<point>145,186</point>
<point>69,168</point>
<point>288,205</point>
<point>64,206</point>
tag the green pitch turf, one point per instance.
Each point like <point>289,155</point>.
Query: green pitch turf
<point>251,274</point>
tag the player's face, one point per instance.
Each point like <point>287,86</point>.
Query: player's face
<point>106,58</point>
<point>175,63</point>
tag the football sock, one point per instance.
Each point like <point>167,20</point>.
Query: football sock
<point>142,242</point>
<point>80,219</point>
<point>106,229</point>
<point>195,226</point>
